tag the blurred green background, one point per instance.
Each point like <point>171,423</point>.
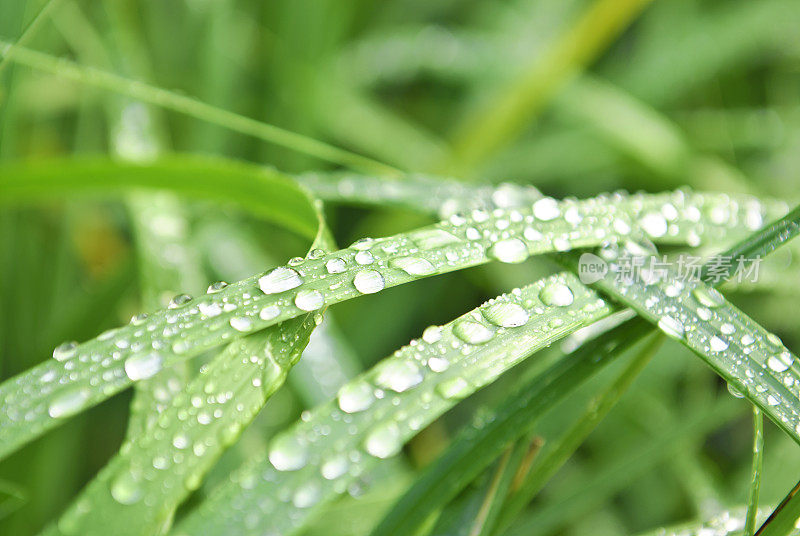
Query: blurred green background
<point>571,96</point>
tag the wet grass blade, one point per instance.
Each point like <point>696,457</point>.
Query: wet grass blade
<point>755,483</point>
<point>318,457</point>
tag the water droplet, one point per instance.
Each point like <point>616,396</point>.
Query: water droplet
<point>708,296</point>
<point>307,495</point>
<point>472,332</point>
<point>335,266</point>
<point>126,489</point>
<point>177,301</point>
<point>364,257</point>
<point>438,364</point>
<point>780,362</point>
<point>143,366</point>
<point>309,300</point>
<point>334,467</point>
<point>65,350</point>
<point>432,238</point>
<point>216,287</point>
<point>269,312</point>
<point>717,344</point>
<point>546,209</point>
<point>432,334</point>
<point>209,309</point>
<point>413,265</point>
<point>398,375</point>
<point>454,388</point>
<point>362,244</point>
<point>734,391</point>
<point>369,282</point>
<point>287,453</point>
<point>280,279</point>
<point>512,250</point>
<point>654,224</point>
<point>355,396</point>
<point>531,234</point>
<point>68,403</point>
<point>384,441</point>
<point>671,327</point>
<point>505,314</point>
<point>180,441</point>
<point>241,323</point>
<point>556,294</point>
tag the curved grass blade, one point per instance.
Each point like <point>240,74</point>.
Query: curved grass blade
<point>783,519</point>
<point>195,108</point>
<point>83,375</point>
<point>755,484</point>
<point>376,413</point>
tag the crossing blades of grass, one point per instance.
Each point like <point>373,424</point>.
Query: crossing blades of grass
<point>83,375</point>
<point>375,414</point>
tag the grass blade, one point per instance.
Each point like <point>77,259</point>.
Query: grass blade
<point>755,485</point>
<point>783,520</point>
<point>377,412</point>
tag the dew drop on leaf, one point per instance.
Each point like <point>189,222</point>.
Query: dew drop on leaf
<point>432,334</point>
<point>355,396</point>
<point>143,366</point>
<point>126,489</point>
<point>369,282</point>
<point>556,294</point>
<point>287,453</point>
<point>472,332</point>
<point>334,467</point>
<point>384,441</point>
<point>717,344</point>
<point>505,315</point>
<point>453,388</point>
<point>335,266</point>
<point>671,327</point>
<point>546,209</point>
<point>280,279</point>
<point>708,296</point>
<point>65,350</point>
<point>512,250</point>
<point>413,265</point>
<point>68,403</point>
<point>309,300</point>
<point>241,323</point>
<point>398,375</point>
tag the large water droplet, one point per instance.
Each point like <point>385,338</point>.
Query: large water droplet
<point>472,332</point>
<point>65,350</point>
<point>334,467</point>
<point>309,300</point>
<point>68,403</point>
<point>512,250</point>
<point>126,489</point>
<point>269,312</point>
<point>505,314</point>
<point>287,453</point>
<point>413,265</point>
<point>398,375</point>
<point>143,366</point>
<point>671,327</point>
<point>546,209</point>
<point>556,294</point>
<point>432,334</point>
<point>369,282</point>
<point>280,279</point>
<point>241,323</point>
<point>384,441</point>
<point>355,396</point>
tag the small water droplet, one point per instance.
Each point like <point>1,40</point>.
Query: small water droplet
<point>454,388</point>
<point>65,350</point>
<point>216,287</point>
<point>671,327</point>
<point>364,257</point>
<point>546,209</point>
<point>241,323</point>
<point>309,300</point>
<point>126,489</point>
<point>398,375</point>
<point>654,224</point>
<point>287,453</point>
<point>512,250</point>
<point>780,362</point>
<point>334,467</point>
<point>369,282</point>
<point>717,344</point>
<point>505,314</point>
<point>307,495</point>
<point>432,334</point>
<point>177,301</point>
<point>472,332</point>
<point>708,296</point>
<point>556,294</point>
<point>432,238</point>
<point>143,366</point>
<point>355,396</point>
<point>68,403</point>
<point>280,279</point>
<point>269,312</point>
<point>413,265</point>
<point>210,309</point>
<point>384,441</point>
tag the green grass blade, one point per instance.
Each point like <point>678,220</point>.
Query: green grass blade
<point>377,412</point>
<point>195,108</point>
<point>783,520</point>
<point>139,490</point>
<point>755,484</point>
<point>28,33</point>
